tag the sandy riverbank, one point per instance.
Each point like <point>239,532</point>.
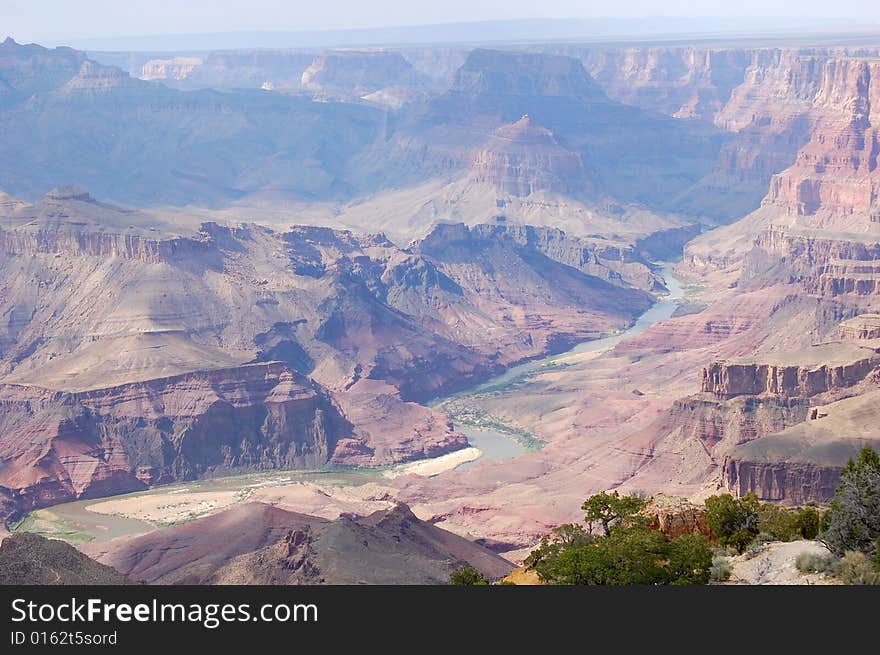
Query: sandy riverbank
<point>436,465</point>
<point>169,507</point>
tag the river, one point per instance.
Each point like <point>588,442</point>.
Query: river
<point>497,445</point>
<point>74,522</point>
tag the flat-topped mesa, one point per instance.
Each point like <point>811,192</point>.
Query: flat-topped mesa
<point>100,244</point>
<point>823,368</point>
<point>95,77</point>
<point>494,72</point>
<point>69,221</point>
<point>523,157</point>
<point>357,73</point>
<point>802,463</point>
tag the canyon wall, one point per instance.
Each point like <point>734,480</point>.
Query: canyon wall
<point>61,446</point>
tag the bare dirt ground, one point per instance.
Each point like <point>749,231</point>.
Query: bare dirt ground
<point>775,565</point>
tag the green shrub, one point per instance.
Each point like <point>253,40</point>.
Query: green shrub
<point>855,568</point>
<point>467,576</point>
<point>808,562</point>
<point>720,570</point>
<point>611,509</point>
<point>777,522</point>
<point>853,520</point>
<point>689,560</point>
<point>733,521</point>
<point>629,553</point>
<point>807,522</point>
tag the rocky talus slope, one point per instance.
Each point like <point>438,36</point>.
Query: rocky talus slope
<point>261,544</point>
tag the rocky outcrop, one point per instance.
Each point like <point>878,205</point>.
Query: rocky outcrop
<point>720,424</point>
<point>791,483</point>
<point>674,516</point>
<point>93,77</point>
<point>803,463</point>
<point>837,170</point>
<point>100,244</point>
<point>729,379</point>
<point>681,81</point>
<point>355,74</point>
<point>821,263</point>
<point>522,158</point>
<point>493,72</point>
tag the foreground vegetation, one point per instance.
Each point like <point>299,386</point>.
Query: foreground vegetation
<point>617,546</point>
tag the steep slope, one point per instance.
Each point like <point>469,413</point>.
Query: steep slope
<point>29,559</point>
<point>197,147</point>
<point>261,544</point>
<point>828,194</point>
<point>241,348</point>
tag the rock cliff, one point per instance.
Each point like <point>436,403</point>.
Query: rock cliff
<point>823,368</point>
<point>803,463</point>
<point>523,157</point>
<point>61,446</point>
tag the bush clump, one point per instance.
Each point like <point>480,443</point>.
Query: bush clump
<point>625,552</point>
<point>812,563</point>
<point>467,576</point>
<point>720,570</point>
<point>856,569</point>
<point>734,521</point>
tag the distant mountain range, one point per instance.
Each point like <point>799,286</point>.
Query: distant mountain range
<point>532,29</point>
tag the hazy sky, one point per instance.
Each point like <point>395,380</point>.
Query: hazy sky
<point>52,20</point>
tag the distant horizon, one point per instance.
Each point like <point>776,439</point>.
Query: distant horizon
<point>660,27</point>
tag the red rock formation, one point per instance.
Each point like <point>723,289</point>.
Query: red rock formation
<point>523,157</point>
<point>787,482</point>
<point>60,446</point>
<point>675,516</point>
<point>837,170</point>
<point>726,380</point>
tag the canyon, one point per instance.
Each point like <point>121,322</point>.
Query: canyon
<point>333,251</point>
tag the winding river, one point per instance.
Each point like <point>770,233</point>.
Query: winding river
<point>75,522</point>
<point>499,446</point>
